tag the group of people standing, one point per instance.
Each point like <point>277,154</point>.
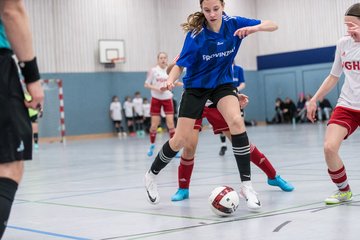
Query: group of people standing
<point>136,112</point>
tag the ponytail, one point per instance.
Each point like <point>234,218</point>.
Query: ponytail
<point>194,22</point>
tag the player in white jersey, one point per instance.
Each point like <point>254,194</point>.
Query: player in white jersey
<point>138,114</point>
<point>346,116</point>
<point>116,116</point>
<point>156,79</point>
<point>129,115</point>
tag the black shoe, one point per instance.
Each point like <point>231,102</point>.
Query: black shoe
<point>222,150</point>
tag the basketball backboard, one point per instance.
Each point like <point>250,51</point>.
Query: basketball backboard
<point>110,50</point>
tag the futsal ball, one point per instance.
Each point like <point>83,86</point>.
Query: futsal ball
<point>224,201</point>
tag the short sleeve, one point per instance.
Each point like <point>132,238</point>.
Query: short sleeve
<point>186,57</point>
<point>149,76</point>
<point>336,69</point>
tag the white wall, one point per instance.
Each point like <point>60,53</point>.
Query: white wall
<point>303,24</point>
<point>66,32</point>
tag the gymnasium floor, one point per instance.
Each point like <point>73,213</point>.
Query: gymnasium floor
<point>93,189</point>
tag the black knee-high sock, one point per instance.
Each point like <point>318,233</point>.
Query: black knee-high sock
<point>163,158</point>
<point>36,138</point>
<point>241,149</point>
<point>222,138</point>
<point>8,189</point>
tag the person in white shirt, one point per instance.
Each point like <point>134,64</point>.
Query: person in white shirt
<point>155,80</point>
<point>138,114</point>
<point>346,116</point>
<point>129,115</point>
<point>116,116</point>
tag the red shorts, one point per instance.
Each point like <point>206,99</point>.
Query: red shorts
<point>215,119</point>
<point>156,104</point>
<point>348,118</point>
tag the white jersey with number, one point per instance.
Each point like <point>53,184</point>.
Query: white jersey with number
<point>158,77</point>
<point>347,60</point>
<point>115,108</point>
<point>138,106</point>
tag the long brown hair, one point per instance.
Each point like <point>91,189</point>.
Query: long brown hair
<point>354,10</point>
<point>196,20</point>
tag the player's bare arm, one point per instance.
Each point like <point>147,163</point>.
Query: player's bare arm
<point>324,89</point>
<point>264,26</point>
<point>16,22</point>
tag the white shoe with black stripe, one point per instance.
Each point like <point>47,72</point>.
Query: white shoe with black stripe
<point>247,192</point>
<point>151,188</point>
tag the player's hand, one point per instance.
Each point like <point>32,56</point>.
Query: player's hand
<point>245,31</point>
<point>168,86</point>
<point>37,96</point>
<point>243,100</point>
<point>311,110</point>
<point>353,30</point>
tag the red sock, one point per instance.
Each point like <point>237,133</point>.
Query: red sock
<point>259,159</point>
<point>340,179</point>
<point>171,132</point>
<point>184,172</point>
<point>152,136</point>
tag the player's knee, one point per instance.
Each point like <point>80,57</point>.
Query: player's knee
<point>188,152</point>
<point>13,170</point>
<point>235,122</point>
<point>329,148</point>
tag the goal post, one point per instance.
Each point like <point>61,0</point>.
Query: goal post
<point>52,123</point>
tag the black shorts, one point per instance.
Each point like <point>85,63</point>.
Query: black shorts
<point>34,118</point>
<point>15,125</point>
<point>193,99</point>
<point>117,122</point>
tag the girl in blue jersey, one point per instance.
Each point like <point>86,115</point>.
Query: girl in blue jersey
<point>212,41</point>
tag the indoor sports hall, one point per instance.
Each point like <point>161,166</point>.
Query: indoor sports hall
<point>86,179</point>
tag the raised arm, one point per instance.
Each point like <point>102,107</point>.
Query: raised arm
<point>264,26</point>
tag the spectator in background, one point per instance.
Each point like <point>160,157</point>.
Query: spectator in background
<point>324,109</point>
<point>116,116</point>
<point>289,111</point>
<point>301,108</point>
<point>138,114</point>
<point>129,115</point>
<point>278,117</point>
<point>147,116</point>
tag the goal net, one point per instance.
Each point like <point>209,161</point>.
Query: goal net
<point>52,123</point>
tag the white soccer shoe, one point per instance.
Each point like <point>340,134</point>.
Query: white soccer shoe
<point>151,188</point>
<point>247,192</point>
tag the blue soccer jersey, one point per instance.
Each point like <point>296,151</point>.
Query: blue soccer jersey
<point>208,56</point>
<point>4,43</point>
<point>238,75</point>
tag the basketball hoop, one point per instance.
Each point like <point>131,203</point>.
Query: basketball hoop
<point>113,61</point>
